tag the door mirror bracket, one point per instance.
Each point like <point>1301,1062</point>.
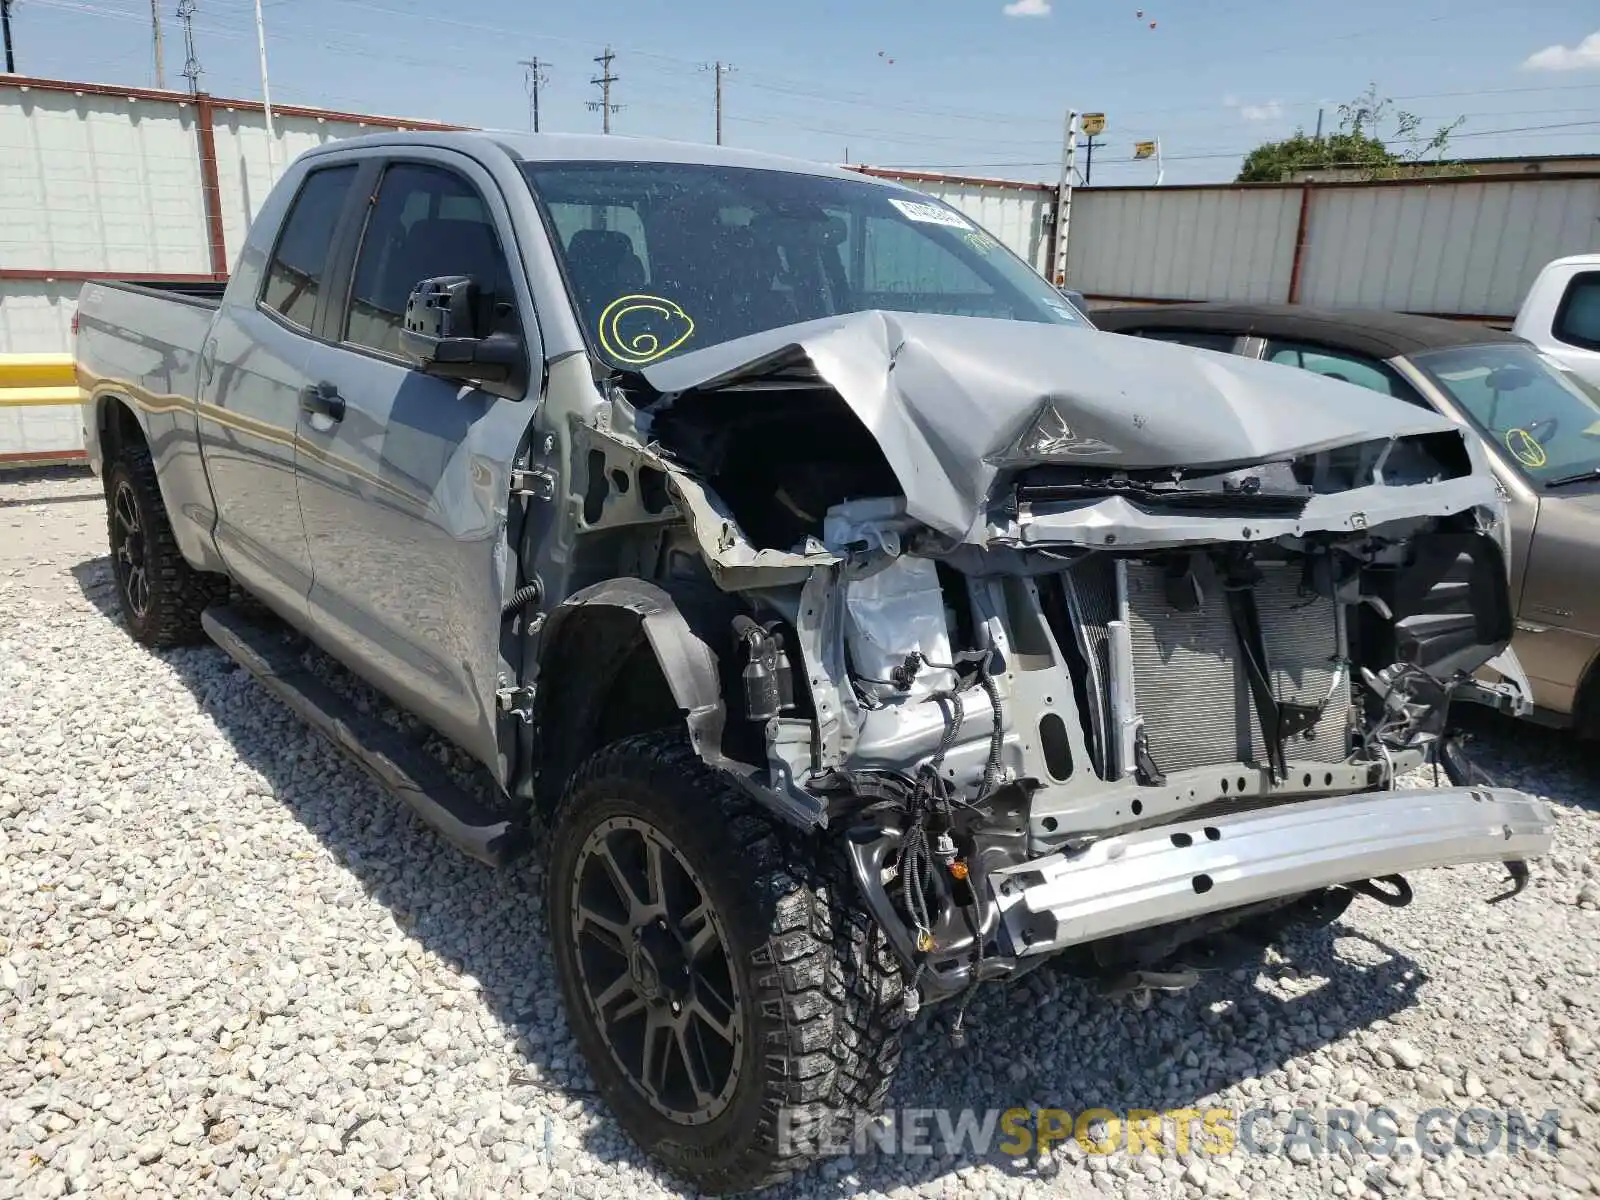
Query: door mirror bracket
<point>446,333</point>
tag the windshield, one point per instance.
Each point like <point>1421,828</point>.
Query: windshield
<point>1545,418</point>
<point>664,258</point>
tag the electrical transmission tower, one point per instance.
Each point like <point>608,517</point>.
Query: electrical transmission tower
<point>603,81</point>
<point>533,78</point>
<point>721,68</point>
<point>191,62</point>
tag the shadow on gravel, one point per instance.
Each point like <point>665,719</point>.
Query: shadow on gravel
<point>52,474</point>
<point>485,924</point>
<point>1546,762</point>
<point>99,586</point>
<point>1166,1056</point>
<point>69,498</point>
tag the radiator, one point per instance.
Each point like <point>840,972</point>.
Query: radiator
<point>1190,686</point>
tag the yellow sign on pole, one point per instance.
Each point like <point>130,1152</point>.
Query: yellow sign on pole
<point>1094,124</point>
<point>1144,150</point>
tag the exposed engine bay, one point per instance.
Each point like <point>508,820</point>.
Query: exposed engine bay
<point>1053,694</point>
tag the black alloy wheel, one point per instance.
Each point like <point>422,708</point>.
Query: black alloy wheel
<point>654,968</point>
<point>128,551</point>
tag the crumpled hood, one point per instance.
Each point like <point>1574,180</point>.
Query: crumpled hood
<point>953,401</point>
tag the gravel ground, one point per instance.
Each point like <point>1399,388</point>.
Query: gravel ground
<point>228,964</point>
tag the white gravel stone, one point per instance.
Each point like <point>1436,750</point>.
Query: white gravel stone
<point>229,965</point>
<point>1403,1053</point>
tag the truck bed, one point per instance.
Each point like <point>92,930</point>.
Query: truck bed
<point>146,337</point>
<point>207,293</point>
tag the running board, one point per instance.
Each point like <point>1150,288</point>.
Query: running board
<point>390,757</point>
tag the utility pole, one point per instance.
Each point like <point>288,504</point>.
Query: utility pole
<point>191,62</point>
<point>1094,124</point>
<point>533,78</point>
<point>155,32</point>
<point>1319,124</point>
<point>5,23</point>
<point>721,69</point>
<point>266,98</point>
<point>603,81</point>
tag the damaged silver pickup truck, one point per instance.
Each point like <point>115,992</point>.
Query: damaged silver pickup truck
<point>850,621</point>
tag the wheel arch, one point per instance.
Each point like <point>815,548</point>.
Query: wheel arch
<point>117,426</point>
<point>1586,699</point>
<point>627,656</point>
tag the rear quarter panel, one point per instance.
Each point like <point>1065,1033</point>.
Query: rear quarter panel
<point>143,352</point>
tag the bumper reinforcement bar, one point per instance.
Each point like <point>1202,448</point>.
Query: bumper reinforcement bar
<point>1189,868</point>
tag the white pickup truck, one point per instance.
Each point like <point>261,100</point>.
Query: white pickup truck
<point>1561,314</point>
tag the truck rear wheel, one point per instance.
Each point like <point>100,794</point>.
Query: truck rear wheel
<point>728,996</point>
<point>161,595</point>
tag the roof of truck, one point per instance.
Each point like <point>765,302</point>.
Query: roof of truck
<point>580,147</point>
<point>1366,331</point>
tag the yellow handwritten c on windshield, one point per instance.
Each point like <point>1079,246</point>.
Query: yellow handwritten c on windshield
<point>1525,449</point>
<point>641,346</point>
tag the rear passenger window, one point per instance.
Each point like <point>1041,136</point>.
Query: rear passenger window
<point>427,222</point>
<point>1578,318</point>
<point>1347,368</point>
<point>300,259</point>
<point>1199,339</point>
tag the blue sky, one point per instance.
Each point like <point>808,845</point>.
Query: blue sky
<point>972,87</point>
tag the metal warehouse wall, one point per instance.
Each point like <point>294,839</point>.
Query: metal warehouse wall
<point>1216,243</point>
<point>101,181</point>
<point>1455,247</point>
<point>1458,248</point>
<point>1467,247</point>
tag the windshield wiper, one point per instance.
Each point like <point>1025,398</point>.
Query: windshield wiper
<point>1575,477</point>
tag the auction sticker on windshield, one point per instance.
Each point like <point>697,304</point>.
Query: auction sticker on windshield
<point>930,214</point>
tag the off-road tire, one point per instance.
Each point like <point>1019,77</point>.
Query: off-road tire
<point>177,593</point>
<point>821,1009</point>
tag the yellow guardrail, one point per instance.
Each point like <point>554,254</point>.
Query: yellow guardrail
<point>38,380</point>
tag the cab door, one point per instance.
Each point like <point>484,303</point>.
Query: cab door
<point>251,379</point>
<point>404,478</point>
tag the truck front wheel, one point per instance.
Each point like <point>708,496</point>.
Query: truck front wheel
<point>161,595</point>
<point>730,999</point>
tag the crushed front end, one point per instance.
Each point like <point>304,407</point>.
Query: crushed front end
<point>1061,693</point>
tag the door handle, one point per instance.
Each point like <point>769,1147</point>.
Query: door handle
<point>322,398</point>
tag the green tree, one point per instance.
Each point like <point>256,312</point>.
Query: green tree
<point>1359,143</point>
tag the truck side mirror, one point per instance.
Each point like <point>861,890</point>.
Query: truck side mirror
<point>446,333</point>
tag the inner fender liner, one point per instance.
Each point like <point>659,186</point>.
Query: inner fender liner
<point>1451,604</point>
<point>681,630</point>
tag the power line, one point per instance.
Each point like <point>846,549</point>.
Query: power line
<point>604,81</point>
<point>859,99</point>
<point>1552,130</point>
<point>533,78</point>
<point>775,86</point>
